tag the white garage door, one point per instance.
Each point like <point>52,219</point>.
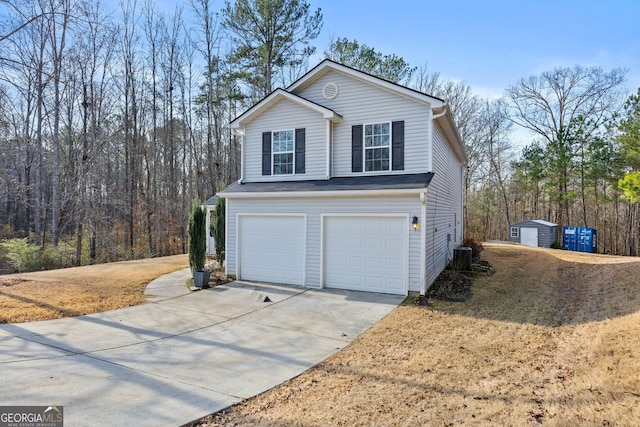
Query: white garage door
<point>366,253</point>
<point>529,236</point>
<point>272,248</point>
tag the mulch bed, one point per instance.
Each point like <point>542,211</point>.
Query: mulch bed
<point>451,285</point>
<point>455,285</point>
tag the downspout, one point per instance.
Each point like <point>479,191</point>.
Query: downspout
<point>423,243</point>
<point>463,203</point>
<point>445,107</point>
<point>430,141</point>
<point>423,202</point>
<point>240,132</point>
<point>328,159</point>
<point>226,236</point>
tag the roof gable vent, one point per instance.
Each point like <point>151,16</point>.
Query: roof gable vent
<point>330,91</point>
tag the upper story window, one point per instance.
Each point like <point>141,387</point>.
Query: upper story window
<point>283,152</point>
<point>377,147</point>
<point>377,138</point>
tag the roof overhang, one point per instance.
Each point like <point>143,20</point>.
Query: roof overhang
<point>276,96</point>
<point>328,65</point>
<point>445,119</point>
<point>315,194</point>
<point>357,186</point>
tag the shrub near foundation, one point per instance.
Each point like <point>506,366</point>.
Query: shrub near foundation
<point>476,248</point>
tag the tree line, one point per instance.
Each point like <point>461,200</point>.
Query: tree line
<point>113,119</point>
<point>581,166</point>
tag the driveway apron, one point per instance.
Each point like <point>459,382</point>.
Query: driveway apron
<point>182,356</point>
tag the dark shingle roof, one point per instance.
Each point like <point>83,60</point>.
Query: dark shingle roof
<point>358,183</point>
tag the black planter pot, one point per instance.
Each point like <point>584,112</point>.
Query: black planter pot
<point>201,278</point>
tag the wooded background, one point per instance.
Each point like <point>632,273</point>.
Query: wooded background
<point>113,119</point>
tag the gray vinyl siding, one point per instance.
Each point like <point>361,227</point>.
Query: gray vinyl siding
<point>444,207</point>
<point>286,115</point>
<point>546,234</point>
<point>314,208</point>
<point>362,103</point>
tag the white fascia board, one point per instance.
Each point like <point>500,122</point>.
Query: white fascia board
<point>316,194</point>
<point>276,96</point>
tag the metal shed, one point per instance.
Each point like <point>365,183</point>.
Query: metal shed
<point>535,232</point>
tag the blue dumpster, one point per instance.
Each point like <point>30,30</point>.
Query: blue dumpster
<point>587,240</point>
<point>581,239</point>
<point>570,238</point>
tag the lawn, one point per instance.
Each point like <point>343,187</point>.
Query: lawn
<point>80,290</point>
<point>551,338</point>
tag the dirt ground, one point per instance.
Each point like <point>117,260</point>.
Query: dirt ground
<point>552,338</point>
<point>76,291</point>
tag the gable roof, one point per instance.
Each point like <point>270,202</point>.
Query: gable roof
<point>277,96</point>
<point>537,221</point>
<point>328,65</point>
<point>439,106</point>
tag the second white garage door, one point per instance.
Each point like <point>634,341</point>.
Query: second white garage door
<point>272,248</point>
<point>366,253</point>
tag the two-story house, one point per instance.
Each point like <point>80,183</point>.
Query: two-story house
<point>348,181</point>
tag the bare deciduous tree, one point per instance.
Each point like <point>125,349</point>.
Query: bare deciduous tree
<point>559,104</point>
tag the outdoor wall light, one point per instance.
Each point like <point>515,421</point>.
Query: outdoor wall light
<point>414,223</point>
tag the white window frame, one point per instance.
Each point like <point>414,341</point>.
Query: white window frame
<point>292,152</point>
<point>515,232</point>
<point>365,148</point>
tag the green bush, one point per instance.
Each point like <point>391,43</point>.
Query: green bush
<point>218,226</point>
<point>556,245</point>
<point>24,256</point>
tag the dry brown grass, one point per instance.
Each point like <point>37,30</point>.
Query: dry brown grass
<point>551,338</point>
<point>81,290</point>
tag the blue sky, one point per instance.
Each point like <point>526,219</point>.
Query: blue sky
<point>491,44</point>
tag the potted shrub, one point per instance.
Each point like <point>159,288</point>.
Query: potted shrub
<point>198,246</point>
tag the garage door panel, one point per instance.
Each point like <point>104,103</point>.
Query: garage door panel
<point>374,282</point>
<point>395,244</point>
<point>375,263</point>
<point>393,266</point>
<point>366,253</point>
<point>374,243</point>
<point>353,262</point>
<point>355,281</point>
<point>272,248</point>
<point>354,244</point>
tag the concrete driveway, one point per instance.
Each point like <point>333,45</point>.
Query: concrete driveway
<point>183,356</point>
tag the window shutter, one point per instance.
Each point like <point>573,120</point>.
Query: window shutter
<point>300,143</point>
<point>266,153</point>
<point>397,146</point>
<point>356,148</point>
